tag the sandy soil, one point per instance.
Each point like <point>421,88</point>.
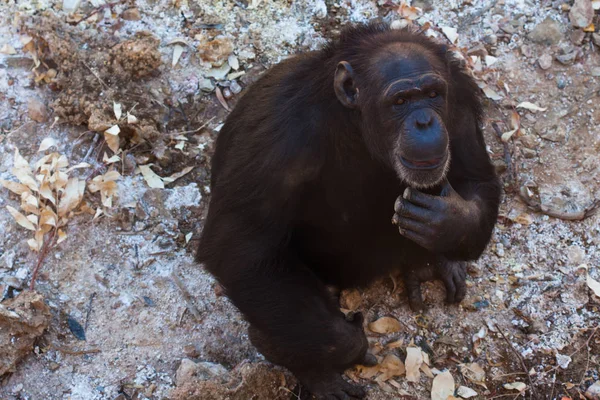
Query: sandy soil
<point>128,278</point>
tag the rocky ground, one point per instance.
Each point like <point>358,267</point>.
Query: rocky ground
<point>132,94</point>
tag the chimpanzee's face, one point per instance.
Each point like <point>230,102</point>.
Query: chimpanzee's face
<point>403,108</point>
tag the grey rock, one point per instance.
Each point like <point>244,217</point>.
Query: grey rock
<point>545,61</point>
<point>202,371</point>
<point>566,59</point>
<point>593,392</point>
<point>490,40</point>
<point>581,13</point>
<point>577,36</point>
<point>547,33</point>
<point>550,129</point>
<point>425,5</point>
<point>37,110</point>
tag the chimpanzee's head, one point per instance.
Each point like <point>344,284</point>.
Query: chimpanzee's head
<point>401,93</point>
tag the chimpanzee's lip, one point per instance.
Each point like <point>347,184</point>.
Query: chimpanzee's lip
<point>423,164</point>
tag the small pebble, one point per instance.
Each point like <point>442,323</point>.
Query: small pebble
<point>131,14</point>
<point>235,87</point>
<point>561,82</point>
<point>37,110</point>
<point>545,61</point>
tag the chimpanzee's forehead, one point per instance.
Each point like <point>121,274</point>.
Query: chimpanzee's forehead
<point>404,61</point>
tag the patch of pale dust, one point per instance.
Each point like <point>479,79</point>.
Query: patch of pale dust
<point>528,282</point>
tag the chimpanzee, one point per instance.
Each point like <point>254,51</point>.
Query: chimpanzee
<point>337,167</point>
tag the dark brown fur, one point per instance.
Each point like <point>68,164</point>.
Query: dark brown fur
<point>302,196</point>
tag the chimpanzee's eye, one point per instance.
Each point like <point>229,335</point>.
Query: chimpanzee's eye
<point>400,101</point>
<point>433,94</point>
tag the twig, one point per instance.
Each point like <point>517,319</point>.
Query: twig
<point>195,130</point>
<point>553,385</point>
<point>98,9</point>
<point>586,345</point>
<point>43,253</point>
<point>73,352</point>
<point>96,75</point>
<point>186,296</point>
<point>472,17</point>
<point>588,96</point>
<point>92,147</point>
<point>525,369</point>
<point>89,310</point>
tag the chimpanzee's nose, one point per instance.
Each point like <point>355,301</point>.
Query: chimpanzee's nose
<point>423,119</point>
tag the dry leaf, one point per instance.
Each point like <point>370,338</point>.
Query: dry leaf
<point>177,175</point>
<point>368,372</point>
<point>593,284</point>
<point>507,135</point>
<point>530,106</point>
<point>466,392</point>
<point>188,237</point>
<point>111,160</point>
<point>391,366</point>
<point>46,144</point>
<point>414,360</point>
<point>490,60</point>
<point>48,217</point>
<point>15,187</point>
<point>118,110</point>
<point>426,370</point>
<point>221,98</point>
<point>451,33</point>
<point>8,49</point>
<point>71,197</point>
<point>385,325</point>
<point>131,119</point>
<point>409,12</point>
<point>520,386</point>
<point>396,344</point>
<point>78,166</point>
<point>153,180</point>
<point>61,236</point>
<point>113,130</point>
<point>351,299</point>
<point>177,52</point>
<point>112,141</point>
<point>443,386</point>
<point>474,373</point>
<point>491,93</point>
<point>20,218</point>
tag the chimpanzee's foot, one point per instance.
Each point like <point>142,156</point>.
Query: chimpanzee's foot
<point>451,273</point>
<point>332,387</point>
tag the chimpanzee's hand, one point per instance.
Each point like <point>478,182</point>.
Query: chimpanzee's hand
<point>437,223</point>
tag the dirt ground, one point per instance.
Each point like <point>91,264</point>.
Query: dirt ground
<point>131,316</point>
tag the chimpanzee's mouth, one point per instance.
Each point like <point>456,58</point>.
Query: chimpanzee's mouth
<point>423,164</point>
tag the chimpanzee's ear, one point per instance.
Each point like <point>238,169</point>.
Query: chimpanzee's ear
<point>344,85</point>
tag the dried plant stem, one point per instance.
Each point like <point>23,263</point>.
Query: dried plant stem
<point>186,296</point>
<point>522,361</point>
<point>42,256</point>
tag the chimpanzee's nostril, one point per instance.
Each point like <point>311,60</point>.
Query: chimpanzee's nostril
<point>423,120</point>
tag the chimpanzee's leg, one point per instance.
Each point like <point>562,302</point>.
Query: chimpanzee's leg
<point>295,322</point>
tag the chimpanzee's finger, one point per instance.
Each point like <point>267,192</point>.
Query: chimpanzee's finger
<point>407,209</point>
<point>420,198</point>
